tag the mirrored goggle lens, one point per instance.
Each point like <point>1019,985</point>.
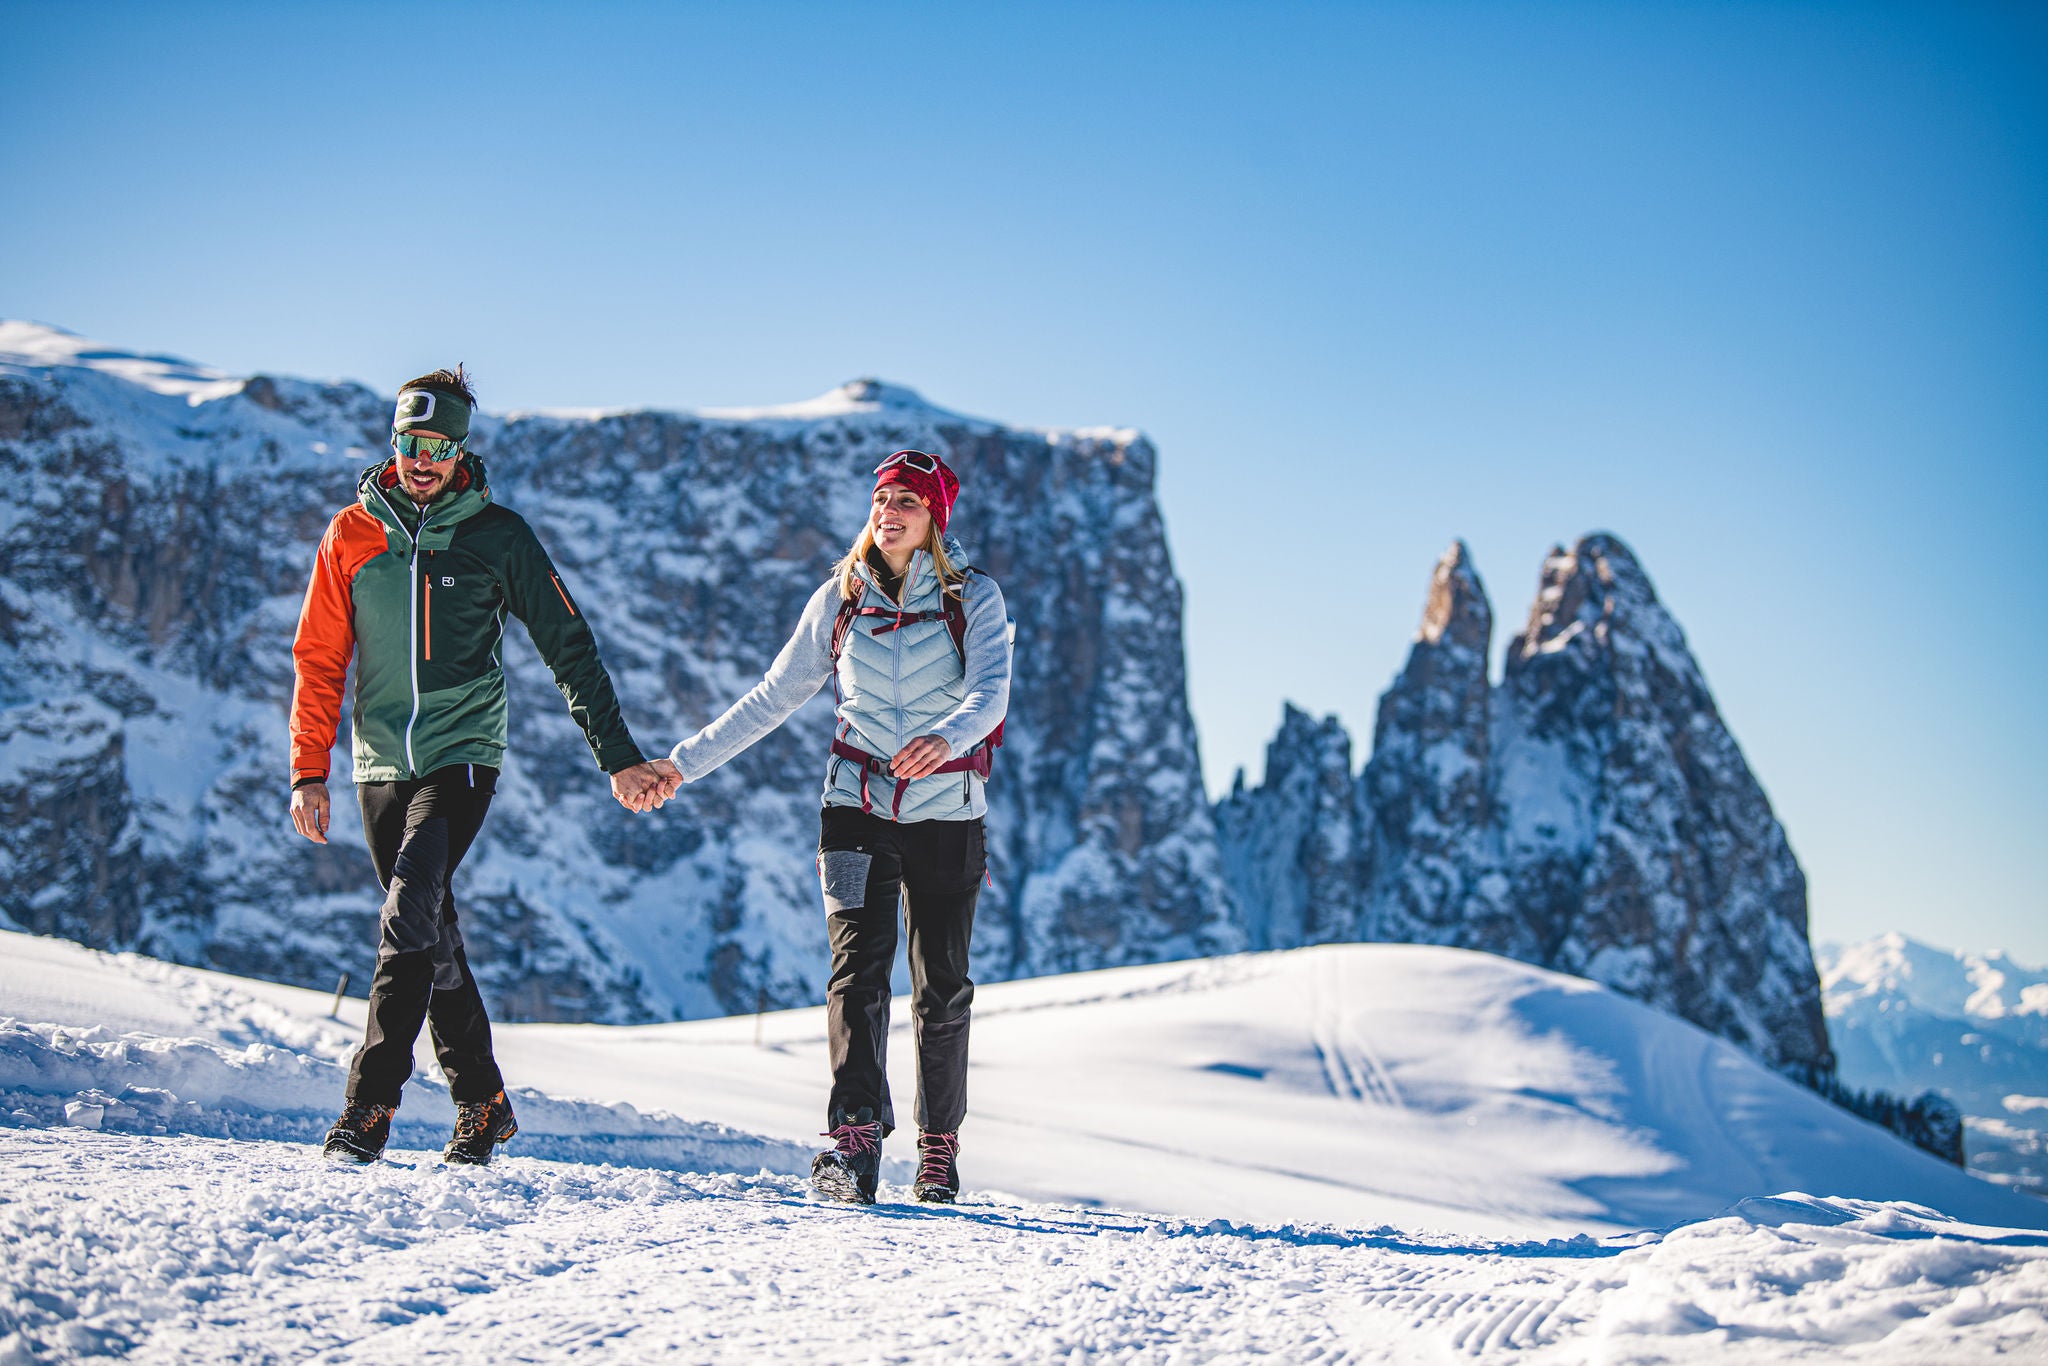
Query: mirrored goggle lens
<point>916,460</point>
<point>436,448</point>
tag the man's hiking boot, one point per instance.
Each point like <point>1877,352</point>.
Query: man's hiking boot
<point>480,1126</point>
<point>850,1168</point>
<point>360,1134</point>
<point>938,1175</point>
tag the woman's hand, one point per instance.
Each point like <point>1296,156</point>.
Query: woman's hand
<point>671,777</point>
<point>920,757</point>
<point>639,788</point>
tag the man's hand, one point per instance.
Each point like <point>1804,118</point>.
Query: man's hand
<point>309,811</point>
<point>671,777</point>
<point>640,788</point>
<point>920,757</point>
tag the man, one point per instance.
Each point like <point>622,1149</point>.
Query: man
<point>415,579</point>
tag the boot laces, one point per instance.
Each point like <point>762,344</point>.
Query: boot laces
<point>473,1117</point>
<point>855,1139</point>
<point>360,1115</point>
<point>937,1152</point>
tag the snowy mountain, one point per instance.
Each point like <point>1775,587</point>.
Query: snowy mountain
<point>152,562</point>
<point>1907,1018</point>
<point>1357,1152</point>
<point>1590,813</point>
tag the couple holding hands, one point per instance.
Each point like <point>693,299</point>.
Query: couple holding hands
<point>415,579</point>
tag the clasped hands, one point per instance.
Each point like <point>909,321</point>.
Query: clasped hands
<point>646,786</point>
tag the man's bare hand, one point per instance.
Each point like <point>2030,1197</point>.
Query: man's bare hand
<point>920,757</point>
<point>310,811</point>
<point>671,777</point>
<point>640,788</point>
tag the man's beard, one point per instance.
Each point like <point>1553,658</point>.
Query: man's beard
<point>447,482</point>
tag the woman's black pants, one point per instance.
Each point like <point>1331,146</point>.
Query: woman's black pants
<point>934,868</point>
<point>418,832</point>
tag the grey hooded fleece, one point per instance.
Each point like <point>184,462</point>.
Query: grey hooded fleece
<point>892,687</point>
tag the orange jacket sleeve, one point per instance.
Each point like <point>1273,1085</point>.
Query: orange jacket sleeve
<point>320,655</point>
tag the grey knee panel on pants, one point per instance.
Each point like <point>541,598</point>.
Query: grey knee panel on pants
<point>844,873</point>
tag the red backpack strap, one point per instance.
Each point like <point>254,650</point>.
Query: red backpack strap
<point>849,608</point>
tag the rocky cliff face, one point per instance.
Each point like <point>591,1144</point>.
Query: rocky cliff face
<point>1292,846</point>
<point>154,553</point>
<point>1591,813</point>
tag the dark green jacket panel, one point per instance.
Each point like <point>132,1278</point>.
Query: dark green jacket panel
<point>384,660</point>
<point>538,597</point>
<point>429,626</point>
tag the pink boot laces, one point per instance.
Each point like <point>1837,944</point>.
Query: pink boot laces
<point>938,1152</point>
<point>855,1139</point>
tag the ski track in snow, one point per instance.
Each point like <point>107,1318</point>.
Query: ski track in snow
<point>1354,1072</point>
<point>184,1249</point>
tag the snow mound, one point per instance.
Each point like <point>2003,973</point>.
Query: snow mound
<point>27,346</point>
<point>146,1084</point>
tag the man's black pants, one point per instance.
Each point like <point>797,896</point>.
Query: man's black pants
<point>418,832</point>
<point>935,868</point>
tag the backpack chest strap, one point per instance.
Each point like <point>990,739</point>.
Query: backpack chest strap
<point>897,619</point>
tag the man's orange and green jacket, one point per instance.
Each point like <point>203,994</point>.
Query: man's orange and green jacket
<point>421,604</point>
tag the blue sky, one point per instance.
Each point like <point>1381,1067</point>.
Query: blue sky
<point>1763,288</point>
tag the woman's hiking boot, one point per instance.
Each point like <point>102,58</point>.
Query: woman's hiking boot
<point>480,1126</point>
<point>938,1173</point>
<point>360,1134</point>
<point>851,1167</point>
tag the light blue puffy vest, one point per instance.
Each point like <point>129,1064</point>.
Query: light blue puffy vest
<point>894,687</point>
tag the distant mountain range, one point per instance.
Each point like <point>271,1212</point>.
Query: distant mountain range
<point>1907,1017</point>
<point>1590,812</point>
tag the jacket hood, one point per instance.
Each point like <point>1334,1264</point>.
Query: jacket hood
<point>377,490</point>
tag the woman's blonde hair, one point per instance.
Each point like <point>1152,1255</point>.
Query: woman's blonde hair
<point>951,576</point>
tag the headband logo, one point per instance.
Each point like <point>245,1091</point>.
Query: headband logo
<point>414,405</point>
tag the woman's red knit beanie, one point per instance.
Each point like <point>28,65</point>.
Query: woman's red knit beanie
<point>938,487</point>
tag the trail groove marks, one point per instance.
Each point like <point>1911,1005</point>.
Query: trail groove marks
<point>1349,1064</point>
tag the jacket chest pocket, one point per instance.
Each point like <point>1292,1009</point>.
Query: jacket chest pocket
<point>459,603</point>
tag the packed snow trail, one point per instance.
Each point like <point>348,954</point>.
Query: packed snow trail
<point>182,1249</point>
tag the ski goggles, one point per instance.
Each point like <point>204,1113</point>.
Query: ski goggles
<point>915,460</point>
<point>431,448</point>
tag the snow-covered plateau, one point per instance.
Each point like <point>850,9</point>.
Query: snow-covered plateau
<point>1338,1153</point>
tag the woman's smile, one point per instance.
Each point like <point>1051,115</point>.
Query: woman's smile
<point>900,522</point>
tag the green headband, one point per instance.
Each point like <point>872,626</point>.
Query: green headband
<point>439,413</point>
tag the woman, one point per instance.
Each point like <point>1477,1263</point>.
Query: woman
<point>916,643</point>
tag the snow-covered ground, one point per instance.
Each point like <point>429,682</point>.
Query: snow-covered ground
<point>1345,1153</point>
